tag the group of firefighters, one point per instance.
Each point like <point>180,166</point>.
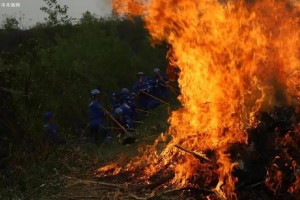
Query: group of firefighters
<point>127,107</point>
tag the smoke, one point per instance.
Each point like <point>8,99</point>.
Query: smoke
<point>280,94</point>
<point>105,6</point>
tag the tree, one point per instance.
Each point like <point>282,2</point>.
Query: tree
<point>10,23</point>
<point>56,14</point>
<point>88,18</point>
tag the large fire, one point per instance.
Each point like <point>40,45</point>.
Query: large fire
<point>236,57</point>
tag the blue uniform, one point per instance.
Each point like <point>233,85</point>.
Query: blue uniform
<point>125,97</point>
<point>115,101</point>
<point>51,133</point>
<point>96,113</point>
<point>97,116</point>
<point>127,109</point>
<point>160,83</point>
<point>145,101</point>
<point>124,117</point>
<point>142,98</point>
<point>131,102</point>
<point>128,122</point>
<point>152,103</point>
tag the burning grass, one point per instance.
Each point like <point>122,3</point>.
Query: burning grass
<point>267,164</point>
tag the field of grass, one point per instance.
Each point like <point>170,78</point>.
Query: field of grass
<point>48,173</point>
<point>53,68</point>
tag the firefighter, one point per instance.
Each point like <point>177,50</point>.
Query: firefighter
<point>161,84</point>
<point>144,90</point>
<point>97,118</point>
<point>138,88</point>
<point>115,101</point>
<point>125,93</point>
<point>51,129</point>
<point>124,118</point>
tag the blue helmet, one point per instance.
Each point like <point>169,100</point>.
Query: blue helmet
<point>140,74</point>
<point>118,110</point>
<point>114,94</point>
<point>125,91</point>
<point>95,92</point>
<point>156,70</point>
<point>48,115</point>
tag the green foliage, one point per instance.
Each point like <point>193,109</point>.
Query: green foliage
<point>88,18</point>
<point>10,23</point>
<point>55,67</point>
<point>56,14</point>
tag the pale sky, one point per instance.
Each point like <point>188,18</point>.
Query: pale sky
<point>30,9</point>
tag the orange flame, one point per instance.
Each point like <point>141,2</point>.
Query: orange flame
<point>236,57</point>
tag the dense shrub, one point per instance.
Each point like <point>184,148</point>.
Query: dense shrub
<point>54,67</point>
